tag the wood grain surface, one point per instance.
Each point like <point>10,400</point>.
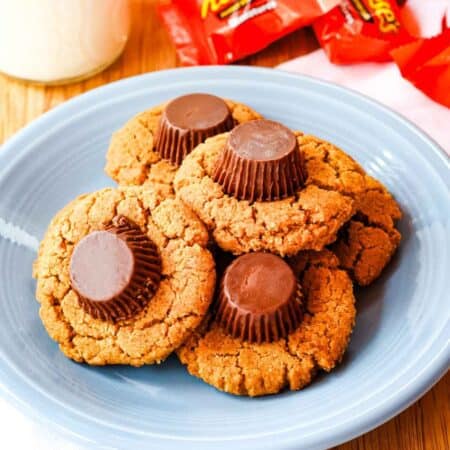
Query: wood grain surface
<point>424,425</point>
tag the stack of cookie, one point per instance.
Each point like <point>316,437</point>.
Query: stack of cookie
<point>231,240</point>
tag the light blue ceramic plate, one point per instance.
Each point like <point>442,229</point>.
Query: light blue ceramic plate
<point>400,345</point>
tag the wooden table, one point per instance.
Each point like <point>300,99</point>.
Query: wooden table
<point>424,426</point>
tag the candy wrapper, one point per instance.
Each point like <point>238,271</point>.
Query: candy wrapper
<point>426,64</point>
<point>361,30</point>
<point>222,31</point>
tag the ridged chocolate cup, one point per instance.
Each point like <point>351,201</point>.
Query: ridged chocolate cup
<point>261,161</point>
<point>188,121</point>
<point>259,299</point>
<point>115,271</point>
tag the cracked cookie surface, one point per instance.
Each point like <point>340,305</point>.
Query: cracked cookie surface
<point>244,368</point>
<point>176,309</point>
<point>368,241</point>
<point>307,221</point>
<point>131,158</point>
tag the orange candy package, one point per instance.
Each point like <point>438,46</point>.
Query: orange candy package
<point>426,64</point>
<point>222,31</point>
<point>361,30</point>
<point>378,31</point>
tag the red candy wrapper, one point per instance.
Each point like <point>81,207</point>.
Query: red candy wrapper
<point>361,30</point>
<point>426,64</point>
<point>222,31</point>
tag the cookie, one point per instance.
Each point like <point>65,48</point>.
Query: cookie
<point>132,157</point>
<point>368,241</point>
<point>179,297</point>
<point>241,367</point>
<point>308,220</point>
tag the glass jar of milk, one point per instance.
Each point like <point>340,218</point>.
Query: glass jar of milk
<point>59,41</point>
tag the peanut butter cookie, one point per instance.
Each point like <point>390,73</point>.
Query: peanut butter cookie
<point>368,241</point>
<point>307,220</point>
<point>169,283</point>
<point>241,367</point>
<point>133,157</point>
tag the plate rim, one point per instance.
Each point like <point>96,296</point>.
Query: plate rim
<point>417,387</point>
<point>74,101</point>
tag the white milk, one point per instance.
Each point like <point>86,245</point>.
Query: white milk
<point>53,41</point>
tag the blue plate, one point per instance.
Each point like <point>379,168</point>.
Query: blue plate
<point>400,344</point>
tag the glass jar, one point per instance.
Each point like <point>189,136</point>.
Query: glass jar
<point>59,41</point>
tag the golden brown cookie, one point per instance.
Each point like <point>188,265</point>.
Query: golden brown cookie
<point>307,221</point>
<point>178,305</point>
<point>368,241</point>
<point>132,159</point>
<point>244,368</point>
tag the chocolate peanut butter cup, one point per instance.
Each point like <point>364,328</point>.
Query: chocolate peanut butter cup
<point>259,299</point>
<point>261,161</point>
<point>115,271</point>
<point>188,121</point>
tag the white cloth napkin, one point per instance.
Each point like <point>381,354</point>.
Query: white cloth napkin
<point>383,82</point>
